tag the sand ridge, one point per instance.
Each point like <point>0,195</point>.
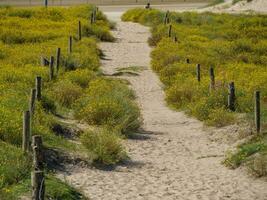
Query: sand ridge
<point>175,159</point>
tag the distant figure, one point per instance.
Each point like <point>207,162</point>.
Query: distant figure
<point>147,6</point>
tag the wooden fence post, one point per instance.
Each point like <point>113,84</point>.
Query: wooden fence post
<point>38,85</point>
<point>166,17</point>
<point>58,59</point>
<point>187,61</point>
<point>26,131</point>
<point>51,68</point>
<point>175,39</point>
<point>170,31</point>
<point>257,111</point>
<point>70,44</point>
<point>37,149</point>
<point>44,61</point>
<point>198,72</point>
<point>231,96</point>
<point>32,100</point>
<point>79,31</point>
<point>46,3</point>
<point>37,176</point>
<point>92,18</point>
<point>38,185</point>
<point>212,79</point>
<point>94,15</point>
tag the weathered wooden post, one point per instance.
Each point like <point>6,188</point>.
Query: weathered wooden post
<point>79,31</point>
<point>37,176</point>
<point>44,61</point>
<point>32,101</point>
<point>38,185</point>
<point>166,17</point>
<point>51,68</point>
<point>58,59</point>
<point>212,79</point>
<point>70,44</point>
<point>231,96</point>
<point>175,39</point>
<point>94,11</point>
<point>46,3</point>
<point>92,18</point>
<point>187,61</point>
<point>257,112</point>
<point>37,149</point>
<point>170,31</point>
<point>198,72</point>
<point>26,131</point>
<point>38,85</point>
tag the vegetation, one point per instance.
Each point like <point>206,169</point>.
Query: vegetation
<point>234,45</point>
<point>26,34</point>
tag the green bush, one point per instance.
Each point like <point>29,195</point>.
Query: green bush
<point>109,103</point>
<point>66,92</point>
<point>14,165</point>
<point>104,146</point>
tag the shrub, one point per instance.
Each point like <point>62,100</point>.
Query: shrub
<point>104,146</point>
<point>66,92</point>
<point>80,77</point>
<point>14,165</point>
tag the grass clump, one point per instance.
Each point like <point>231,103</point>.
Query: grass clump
<point>109,103</point>
<point>252,153</point>
<point>104,146</point>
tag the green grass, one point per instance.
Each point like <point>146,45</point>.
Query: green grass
<point>26,34</point>
<point>252,153</point>
<point>234,45</point>
<point>54,189</point>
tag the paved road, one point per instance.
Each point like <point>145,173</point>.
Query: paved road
<point>114,12</point>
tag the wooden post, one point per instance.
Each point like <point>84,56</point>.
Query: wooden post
<point>79,31</point>
<point>58,59</point>
<point>44,61</point>
<point>38,185</point>
<point>166,17</point>
<point>38,85</point>
<point>231,96</point>
<point>198,72</point>
<point>94,15</point>
<point>32,100</point>
<point>26,131</point>
<point>187,61</point>
<point>257,112</point>
<point>92,18</point>
<point>37,149</point>
<point>175,39</point>
<point>70,44</point>
<point>170,31</point>
<point>46,3</point>
<point>51,68</point>
<point>212,79</point>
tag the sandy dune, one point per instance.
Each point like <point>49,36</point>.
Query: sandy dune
<point>258,6</point>
<point>175,158</point>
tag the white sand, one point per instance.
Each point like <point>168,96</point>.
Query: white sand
<point>177,160</point>
<point>258,6</point>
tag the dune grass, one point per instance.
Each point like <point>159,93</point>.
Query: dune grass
<point>26,34</point>
<point>234,45</point>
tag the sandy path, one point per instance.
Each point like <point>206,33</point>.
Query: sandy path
<point>177,160</point>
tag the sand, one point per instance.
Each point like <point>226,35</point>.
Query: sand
<point>174,157</point>
<point>256,6</point>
